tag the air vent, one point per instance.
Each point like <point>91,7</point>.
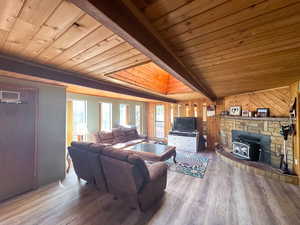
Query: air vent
<point>11,97</point>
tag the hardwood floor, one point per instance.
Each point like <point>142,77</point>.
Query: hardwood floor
<point>226,195</point>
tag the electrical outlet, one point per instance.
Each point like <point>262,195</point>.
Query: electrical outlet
<point>296,161</point>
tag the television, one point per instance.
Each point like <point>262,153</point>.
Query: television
<point>185,124</point>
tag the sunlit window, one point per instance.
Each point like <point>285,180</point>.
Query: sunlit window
<point>159,121</point>
<point>172,114</point>
<point>138,118</point>
<point>179,110</point>
<point>195,110</point>
<point>187,110</point>
<point>106,116</point>
<point>79,120</point>
<point>123,114</point>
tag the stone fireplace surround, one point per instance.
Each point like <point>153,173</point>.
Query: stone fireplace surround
<point>258,126</point>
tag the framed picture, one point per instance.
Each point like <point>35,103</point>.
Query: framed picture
<point>211,110</point>
<point>235,111</point>
<point>245,113</point>
<point>263,112</point>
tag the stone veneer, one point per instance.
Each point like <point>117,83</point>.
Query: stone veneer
<point>266,126</point>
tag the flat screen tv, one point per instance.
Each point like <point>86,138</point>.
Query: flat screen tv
<point>185,124</point>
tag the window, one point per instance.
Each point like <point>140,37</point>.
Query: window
<point>79,120</point>
<point>138,118</point>
<point>123,114</point>
<point>195,110</point>
<point>159,121</point>
<point>187,110</point>
<point>179,110</point>
<point>172,114</point>
<point>106,121</point>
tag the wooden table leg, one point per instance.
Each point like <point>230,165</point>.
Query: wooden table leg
<point>174,158</point>
<point>69,162</point>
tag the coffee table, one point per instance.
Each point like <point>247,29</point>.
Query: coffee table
<point>154,152</point>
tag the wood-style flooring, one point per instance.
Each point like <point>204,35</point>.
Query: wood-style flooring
<point>226,196</point>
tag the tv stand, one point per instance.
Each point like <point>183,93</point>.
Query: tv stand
<point>184,141</point>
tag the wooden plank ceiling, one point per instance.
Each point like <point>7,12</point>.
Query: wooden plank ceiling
<point>57,33</point>
<point>231,46</point>
<point>234,46</point>
<point>152,77</point>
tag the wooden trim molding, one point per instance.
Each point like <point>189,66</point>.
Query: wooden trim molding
<point>116,16</point>
<point>22,66</point>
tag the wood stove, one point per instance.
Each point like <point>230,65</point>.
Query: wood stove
<point>246,147</point>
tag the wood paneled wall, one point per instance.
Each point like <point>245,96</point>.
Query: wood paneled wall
<point>277,100</point>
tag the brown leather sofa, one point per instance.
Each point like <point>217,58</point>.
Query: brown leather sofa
<point>119,172</point>
<point>120,137</point>
<point>87,164</point>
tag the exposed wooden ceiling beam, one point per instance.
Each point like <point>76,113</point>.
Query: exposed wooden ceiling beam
<point>116,16</point>
<point>17,65</point>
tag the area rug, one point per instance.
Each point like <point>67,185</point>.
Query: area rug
<point>188,163</point>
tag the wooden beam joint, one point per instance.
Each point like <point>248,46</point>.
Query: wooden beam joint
<point>120,20</point>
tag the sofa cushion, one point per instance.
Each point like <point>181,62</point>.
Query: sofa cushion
<point>127,156</point>
<point>120,145</point>
<point>119,135</point>
<point>134,142</point>
<point>131,133</point>
<point>81,145</point>
<point>98,147</point>
<point>127,144</point>
<point>115,153</point>
<point>97,137</point>
<point>106,137</point>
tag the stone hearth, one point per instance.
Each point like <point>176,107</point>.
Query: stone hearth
<point>263,126</point>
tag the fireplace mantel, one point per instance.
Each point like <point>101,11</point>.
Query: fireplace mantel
<point>285,119</point>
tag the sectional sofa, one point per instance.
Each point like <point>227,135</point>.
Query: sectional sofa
<point>109,168</point>
<point>120,137</point>
<point>120,173</point>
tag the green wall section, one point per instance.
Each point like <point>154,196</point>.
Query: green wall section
<point>51,131</point>
<point>93,111</point>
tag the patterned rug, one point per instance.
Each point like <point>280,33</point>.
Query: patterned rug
<point>188,163</point>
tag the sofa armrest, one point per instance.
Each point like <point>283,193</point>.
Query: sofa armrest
<point>157,170</point>
<point>143,137</point>
<point>153,190</point>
